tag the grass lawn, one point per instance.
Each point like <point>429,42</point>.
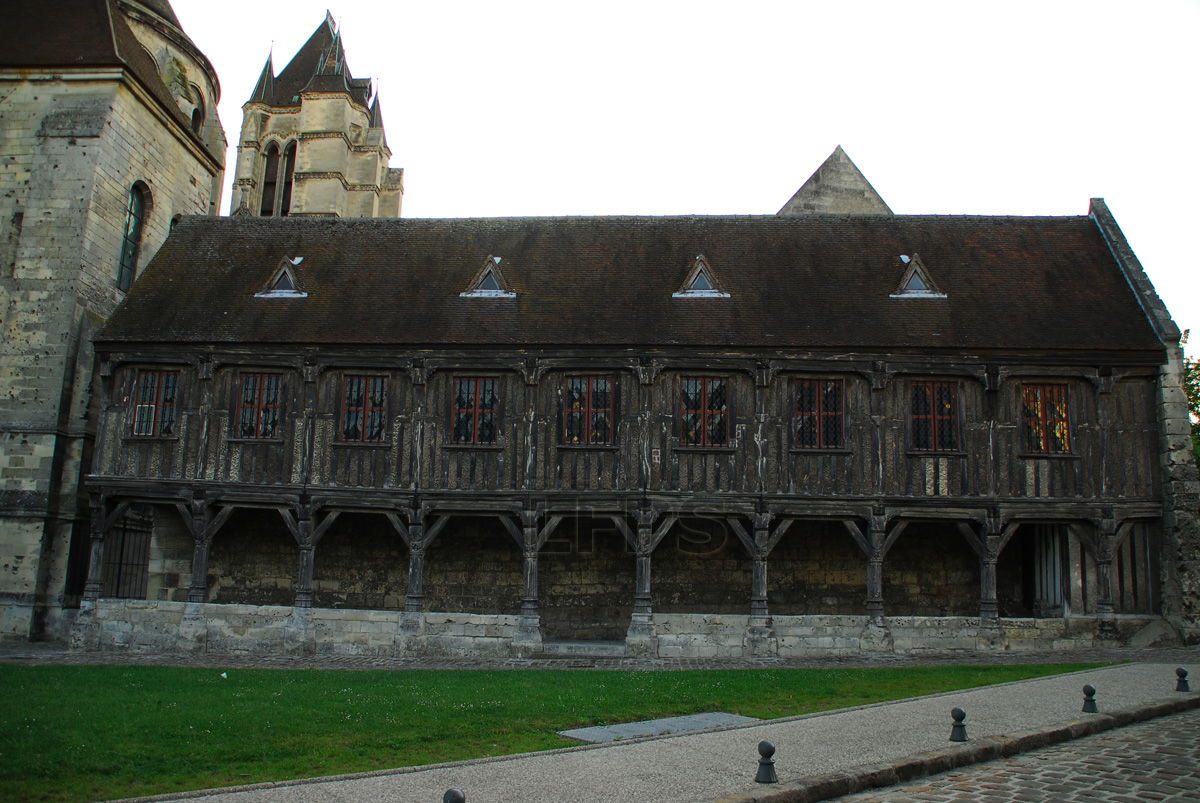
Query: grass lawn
<point>94,732</point>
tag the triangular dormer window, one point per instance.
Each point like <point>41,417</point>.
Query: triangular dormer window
<point>701,282</point>
<point>916,281</point>
<point>489,282</point>
<point>283,281</point>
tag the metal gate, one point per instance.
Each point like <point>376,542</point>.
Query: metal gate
<point>127,554</point>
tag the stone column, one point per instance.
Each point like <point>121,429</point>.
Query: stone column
<point>877,535</point>
<point>989,604</point>
<point>304,538</point>
<point>529,594</point>
<point>1104,559</point>
<point>198,590</point>
<point>760,638</point>
<point>876,637</point>
<point>529,629</point>
<point>414,599</point>
<point>640,639</point>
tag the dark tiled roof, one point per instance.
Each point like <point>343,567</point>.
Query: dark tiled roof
<point>820,281</point>
<point>84,33</point>
<point>318,66</point>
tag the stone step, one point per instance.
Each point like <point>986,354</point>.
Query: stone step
<point>582,649</point>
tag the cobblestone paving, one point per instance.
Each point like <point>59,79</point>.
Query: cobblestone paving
<point>1155,760</point>
<point>31,653</point>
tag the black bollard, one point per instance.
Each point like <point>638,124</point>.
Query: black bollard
<point>958,733</point>
<point>1181,684</point>
<point>454,796</point>
<point>1089,700</point>
<point>766,764</point>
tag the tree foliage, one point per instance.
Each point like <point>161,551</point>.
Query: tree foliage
<point>1191,386</point>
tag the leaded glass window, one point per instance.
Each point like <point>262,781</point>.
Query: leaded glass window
<point>819,414</point>
<point>258,406</point>
<point>589,413</point>
<point>476,406</point>
<point>935,416</point>
<point>155,404</point>
<point>363,409</point>
<point>703,411</point>
<point>131,243</point>
<point>1046,419</point>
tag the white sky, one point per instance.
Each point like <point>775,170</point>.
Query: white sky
<point>654,107</point>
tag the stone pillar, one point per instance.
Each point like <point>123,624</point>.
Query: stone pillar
<point>640,639</point>
<point>198,589</point>
<point>760,637</point>
<point>877,535</point>
<point>990,635</point>
<point>528,639</point>
<point>410,636</point>
<point>414,598</point>
<point>989,604</point>
<point>529,577</point>
<point>875,636</point>
<point>1105,537</point>
<point>304,538</point>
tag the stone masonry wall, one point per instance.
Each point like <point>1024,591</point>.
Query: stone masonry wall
<point>473,566</point>
<point>71,150</point>
<point>816,569</point>
<point>586,574</point>
<point>361,562</point>
<point>931,571</point>
<point>254,560</point>
<point>701,567</point>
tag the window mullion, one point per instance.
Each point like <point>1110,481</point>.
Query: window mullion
<point>158,391</point>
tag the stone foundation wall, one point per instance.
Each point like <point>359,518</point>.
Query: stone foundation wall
<point>179,627</point>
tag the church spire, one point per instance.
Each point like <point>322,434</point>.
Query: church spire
<point>264,90</point>
<point>838,187</point>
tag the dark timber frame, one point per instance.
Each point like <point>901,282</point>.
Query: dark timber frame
<point>651,477</point>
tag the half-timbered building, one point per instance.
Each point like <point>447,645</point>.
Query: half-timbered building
<point>811,432</point>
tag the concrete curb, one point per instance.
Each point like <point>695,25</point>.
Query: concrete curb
<point>875,776</point>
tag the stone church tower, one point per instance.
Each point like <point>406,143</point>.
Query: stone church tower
<point>312,141</point>
<point>108,134</point>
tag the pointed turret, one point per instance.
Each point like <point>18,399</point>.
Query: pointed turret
<point>264,90</point>
<point>838,187</point>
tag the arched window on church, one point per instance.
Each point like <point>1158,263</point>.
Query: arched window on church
<point>289,167</point>
<point>198,111</point>
<point>277,181</point>
<point>270,181</point>
<point>135,219</point>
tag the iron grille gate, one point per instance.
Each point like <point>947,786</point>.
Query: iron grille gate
<point>127,553</point>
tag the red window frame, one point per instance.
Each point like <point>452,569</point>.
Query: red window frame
<point>474,417</point>
<point>1045,413</point>
<point>818,420</point>
<point>934,416</point>
<point>259,404</point>
<point>364,409</point>
<point>700,423</point>
<point>589,410</point>
<point>155,405</point>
